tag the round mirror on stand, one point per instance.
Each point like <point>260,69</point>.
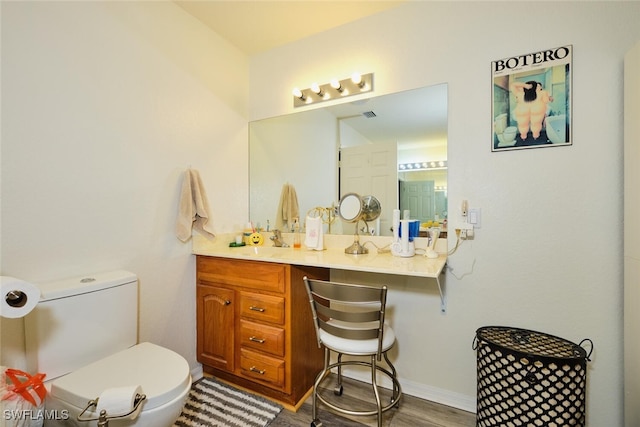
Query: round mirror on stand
<point>354,208</point>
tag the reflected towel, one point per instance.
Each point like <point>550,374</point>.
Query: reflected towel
<point>193,209</point>
<point>313,235</point>
<point>287,208</point>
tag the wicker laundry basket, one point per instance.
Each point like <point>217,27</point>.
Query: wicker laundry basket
<point>527,378</point>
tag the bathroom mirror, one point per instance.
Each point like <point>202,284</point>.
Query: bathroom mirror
<point>304,149</point>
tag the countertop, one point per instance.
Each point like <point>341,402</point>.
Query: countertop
<point>332,257</point>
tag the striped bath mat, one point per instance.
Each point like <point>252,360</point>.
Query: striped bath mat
<point>213,403</point>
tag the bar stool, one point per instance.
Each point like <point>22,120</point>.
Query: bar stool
<point>349,320</point>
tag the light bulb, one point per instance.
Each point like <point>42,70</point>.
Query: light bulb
<point>356,78</point>
<point>316,88</point>
<point>336,85</point>
<point>298,93</point>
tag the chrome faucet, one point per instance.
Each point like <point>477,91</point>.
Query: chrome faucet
<point>277,239</point>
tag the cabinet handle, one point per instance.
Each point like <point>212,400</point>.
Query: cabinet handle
<point>258,340</point>
<point>254,369</point>
<point>227,302</point>
<point>254,308</point>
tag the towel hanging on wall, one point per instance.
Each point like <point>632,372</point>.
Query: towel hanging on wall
<point>288,208</point>
<point>193,209</point>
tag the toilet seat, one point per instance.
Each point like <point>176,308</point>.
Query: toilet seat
<point>163,375</point>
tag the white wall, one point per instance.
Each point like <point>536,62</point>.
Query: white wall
<point>549,254</point>
<point>632,236</point>
<point>104,105</point>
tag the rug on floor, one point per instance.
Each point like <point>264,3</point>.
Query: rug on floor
<point>212,403</point>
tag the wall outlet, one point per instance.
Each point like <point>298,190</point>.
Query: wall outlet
<point>466,234</point>
<point>466,230</point>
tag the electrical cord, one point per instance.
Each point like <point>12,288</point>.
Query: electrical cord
<point>458,243</point>
<point>464,274</point>
<point>386,248</point>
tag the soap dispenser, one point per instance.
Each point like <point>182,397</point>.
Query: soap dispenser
<point>296,234</point>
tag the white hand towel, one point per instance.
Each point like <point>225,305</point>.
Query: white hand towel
<point>313,235</point>
<point>193,209</point>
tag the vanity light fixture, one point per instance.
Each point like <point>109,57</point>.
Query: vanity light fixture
<point>414,166</point>
<point>354,85</point>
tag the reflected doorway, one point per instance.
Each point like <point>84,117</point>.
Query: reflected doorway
<point>419,198</point>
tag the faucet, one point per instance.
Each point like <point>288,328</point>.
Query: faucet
<point>277,239</point>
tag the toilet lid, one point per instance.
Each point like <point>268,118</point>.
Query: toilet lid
<point>162,374</point>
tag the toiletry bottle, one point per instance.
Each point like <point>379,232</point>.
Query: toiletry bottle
<point>246,233</point>
<point>296,235</point>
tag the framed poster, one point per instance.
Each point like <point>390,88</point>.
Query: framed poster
<point>532,100</point>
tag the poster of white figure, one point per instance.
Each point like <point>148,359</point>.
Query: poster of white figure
<point>531,105</point>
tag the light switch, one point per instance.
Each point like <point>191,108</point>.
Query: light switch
<point>474,217</point>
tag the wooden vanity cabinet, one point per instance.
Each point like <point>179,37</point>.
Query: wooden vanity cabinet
<point>254,325</point>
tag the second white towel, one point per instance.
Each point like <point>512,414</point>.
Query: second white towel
<point>313,235</point>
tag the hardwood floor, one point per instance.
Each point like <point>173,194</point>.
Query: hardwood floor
<point>412,411</point>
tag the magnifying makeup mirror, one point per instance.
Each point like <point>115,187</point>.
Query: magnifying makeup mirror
<point>350,207</point>
<point>353,208</point>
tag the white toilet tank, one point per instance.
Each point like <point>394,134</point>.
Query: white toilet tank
<point>81,320</point>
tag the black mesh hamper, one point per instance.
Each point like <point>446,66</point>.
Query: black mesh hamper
<point>528,378</point>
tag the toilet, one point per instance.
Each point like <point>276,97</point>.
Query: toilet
<point>83,336</point>
<point>509,134</point>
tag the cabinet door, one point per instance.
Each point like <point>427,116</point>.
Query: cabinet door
<point>215,325</point>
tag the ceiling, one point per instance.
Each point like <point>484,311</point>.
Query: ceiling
<point>256,26</point>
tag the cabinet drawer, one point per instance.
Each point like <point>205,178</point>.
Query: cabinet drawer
<point>265,369</point>
<point>250,274</point>
<point>264,338</point>
<point>266,308</point>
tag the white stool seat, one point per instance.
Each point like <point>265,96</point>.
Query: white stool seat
<point>356,347</point>
<point>163,375</point>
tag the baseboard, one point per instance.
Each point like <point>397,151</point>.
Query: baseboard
<point>422,391</point>
<point>196,373</point>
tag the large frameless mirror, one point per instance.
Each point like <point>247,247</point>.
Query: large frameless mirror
<point>393,147</point>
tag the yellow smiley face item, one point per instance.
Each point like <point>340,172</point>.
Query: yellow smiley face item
<point>256,239</point>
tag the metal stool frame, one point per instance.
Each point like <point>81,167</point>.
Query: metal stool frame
<point>346,314</point>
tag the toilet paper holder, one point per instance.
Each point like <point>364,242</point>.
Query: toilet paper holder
<point>104,418</point>
<point>16,298</point>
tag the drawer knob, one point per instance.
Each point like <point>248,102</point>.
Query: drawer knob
<point>227,302</point>
<point>258,340</point>
<point>254,369</point>
<point>254,308</point>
